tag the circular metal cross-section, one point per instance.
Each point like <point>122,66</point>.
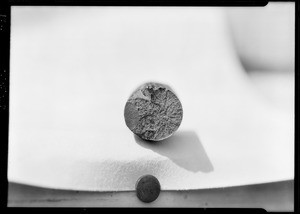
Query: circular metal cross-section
<point>153,112</point>
<point>147,188</point>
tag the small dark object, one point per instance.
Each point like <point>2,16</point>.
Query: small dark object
<point>153,112</point>
<point>147,188</point>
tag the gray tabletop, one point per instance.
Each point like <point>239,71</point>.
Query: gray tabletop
<point>278,196</point>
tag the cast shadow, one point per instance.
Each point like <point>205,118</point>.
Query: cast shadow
<point>183,148</point>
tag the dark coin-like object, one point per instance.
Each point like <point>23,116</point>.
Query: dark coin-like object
<point>147,188</point>
<point>153,112</point>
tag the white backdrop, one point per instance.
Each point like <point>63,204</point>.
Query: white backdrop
<point>72,70</point>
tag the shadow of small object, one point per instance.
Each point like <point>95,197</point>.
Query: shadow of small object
<point>183,148</point>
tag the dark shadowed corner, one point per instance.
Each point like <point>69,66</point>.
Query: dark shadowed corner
<point>183,148</point>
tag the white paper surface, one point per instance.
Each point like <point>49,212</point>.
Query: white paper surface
<point>72,70</point>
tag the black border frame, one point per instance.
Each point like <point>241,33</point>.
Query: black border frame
<point>5,15</point>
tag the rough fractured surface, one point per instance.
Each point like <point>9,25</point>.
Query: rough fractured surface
<point>153,112</point>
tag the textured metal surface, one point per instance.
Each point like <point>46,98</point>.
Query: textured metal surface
<point>153,112</point>
<point>147,188</point>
